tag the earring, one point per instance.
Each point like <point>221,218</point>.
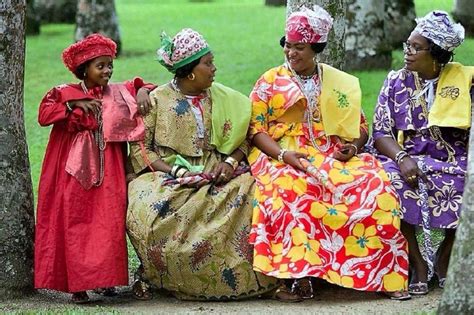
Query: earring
<point>434,66</point>
<point>191,76</point>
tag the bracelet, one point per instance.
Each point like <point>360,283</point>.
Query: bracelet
<point>68,106</point>
<point>281,155</point>
<point>181,171</point>
<point>174,170</point>
<point>400,156</point>
<point>232,162</point>
<point>355,147</point>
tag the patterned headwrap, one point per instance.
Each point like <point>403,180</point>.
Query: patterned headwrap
<point>185,47</point>
<point>308,26</point>
<point>93,46</point>
<point>437,27</point>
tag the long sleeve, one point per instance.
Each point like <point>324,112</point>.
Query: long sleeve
<point>383,122</point>
<point>260,108</point>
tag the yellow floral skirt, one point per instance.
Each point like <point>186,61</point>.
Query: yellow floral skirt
<point>340,222</point>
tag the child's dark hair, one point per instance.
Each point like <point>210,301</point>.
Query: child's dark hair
<point>81,70</point>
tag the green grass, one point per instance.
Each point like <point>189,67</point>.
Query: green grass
<point>243,34</point>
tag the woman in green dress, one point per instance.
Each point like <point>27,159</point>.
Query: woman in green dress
<point>189,213</point>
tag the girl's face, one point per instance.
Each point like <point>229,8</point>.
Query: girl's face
<point>99,71</point>
<point>300,57</point>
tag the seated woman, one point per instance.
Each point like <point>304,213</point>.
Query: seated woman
<point>190,207</point>
<point>421,132</point>
<point>322,208</point>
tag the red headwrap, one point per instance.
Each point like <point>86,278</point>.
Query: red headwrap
<point>93,46</point>
<point>308,26</point>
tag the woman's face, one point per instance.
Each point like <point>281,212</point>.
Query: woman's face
<point>99,71</point>
<point>204,72</point>
<point>417,54</point>
<point>300,57</point>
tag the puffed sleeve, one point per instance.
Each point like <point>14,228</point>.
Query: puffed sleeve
<point>259,97</point>
<point>52,108</point>
<point>136,83</point>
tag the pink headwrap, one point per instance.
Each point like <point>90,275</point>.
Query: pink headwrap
<point>308,26</point>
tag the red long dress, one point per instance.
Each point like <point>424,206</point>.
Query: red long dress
<point>80,234</point>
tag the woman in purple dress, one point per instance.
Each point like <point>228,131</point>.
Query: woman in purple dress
<point>421,132</point>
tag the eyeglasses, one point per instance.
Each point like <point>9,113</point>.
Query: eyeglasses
<point>412,50</point>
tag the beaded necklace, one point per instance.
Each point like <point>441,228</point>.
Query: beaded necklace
<point>311,90</point>
<point>98,137</point>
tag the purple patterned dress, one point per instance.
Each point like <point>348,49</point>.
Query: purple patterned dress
<point>403,116</point>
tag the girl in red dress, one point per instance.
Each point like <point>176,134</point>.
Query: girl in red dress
<point>80,231</point>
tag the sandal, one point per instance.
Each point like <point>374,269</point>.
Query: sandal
<point>418,288</point>
<point>112,291</point>
<point>283,294</point>
<point>303,287</point>
<point>398,295</point>
<point>80,297</point>
<point>441,282</point>
<point>141,290</point>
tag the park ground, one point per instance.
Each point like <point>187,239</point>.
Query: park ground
<point>328,300</point>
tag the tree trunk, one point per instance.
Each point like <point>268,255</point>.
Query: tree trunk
<point>399,21</point>
<point>32,18</point>
<point>366,44</point>
<point>333,54</point>
<point>275,3</point>
<point>458,295</point>
<point>16,197</point>
<point>464,13</point>
<point>97,16</point>
<point>57,11</point>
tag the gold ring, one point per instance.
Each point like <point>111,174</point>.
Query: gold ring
<point>412,177</point>
<point>222,175</point>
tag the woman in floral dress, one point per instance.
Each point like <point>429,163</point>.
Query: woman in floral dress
<point>190,207</point>
<point>321,208</point>
<point>421,132</point>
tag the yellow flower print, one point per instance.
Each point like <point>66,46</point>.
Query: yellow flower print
<point>339,173</point>
<point>277,203</point>
<point>262,263</point>
<point>303,248</point>
<point>266,181</point>
<point>362,239</point>
<point>333,216</point>
<point>389,210</point>
<point>297,185</point>
<point>277,102</point>
<point>394,282</point>
<point>335,278</point>
<point>269,76</point>
<point>277,249</point>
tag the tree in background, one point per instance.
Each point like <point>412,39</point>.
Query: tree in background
<point>399,21</point>
<point>458,294</point>
<point>366,42</point>
<point>464,13</point>
<point>97,16</point>
<point>56,11</point>
<point>32,18</point>
<point>16,196</point>
<point>333,54</point>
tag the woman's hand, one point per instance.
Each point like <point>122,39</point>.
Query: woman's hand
<point>87,105</point>
<point>345,152</point>
<point>143,101</point>
<point>411,172</point>
<point>198,184</point>
<point>222,173</point>
<point>293,158</point>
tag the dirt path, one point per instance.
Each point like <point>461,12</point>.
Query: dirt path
<point>330,300</point>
